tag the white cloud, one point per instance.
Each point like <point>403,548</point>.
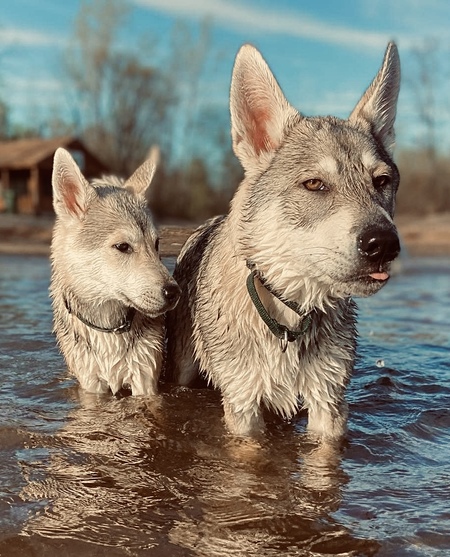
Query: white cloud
<point>47,84</point>
<point>241,16</point>
<point>14,36</point>
<point>32,96</point>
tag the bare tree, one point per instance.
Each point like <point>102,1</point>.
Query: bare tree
<point>120,103</point>
<point>425,169</point>
<point>4,113</point>
<point>424,88</point>
<point>4,120</point>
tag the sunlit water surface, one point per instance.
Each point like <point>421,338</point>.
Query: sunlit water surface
<point>82,475</point>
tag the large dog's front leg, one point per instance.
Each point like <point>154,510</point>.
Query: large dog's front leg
<point>243,422</point>
<point>327,421</point>
<point>325,371</point>
<point>324,398</point>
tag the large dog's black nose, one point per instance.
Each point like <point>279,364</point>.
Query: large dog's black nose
<point>379,245</point>
<point>171,292</point>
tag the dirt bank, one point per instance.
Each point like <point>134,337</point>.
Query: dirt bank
<point>429,235</point>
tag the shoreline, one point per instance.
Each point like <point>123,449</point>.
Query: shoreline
<point>29,235</point>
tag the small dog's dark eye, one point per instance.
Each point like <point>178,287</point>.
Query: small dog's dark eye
<point>314,185</point>
<point>381,182</point>
<point>123,247</point>
<point>157,244</point>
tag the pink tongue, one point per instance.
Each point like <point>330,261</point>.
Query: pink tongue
<point>379,276</point>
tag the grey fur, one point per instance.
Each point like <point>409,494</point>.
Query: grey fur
<point>104,262</point>
<point>317,248</point>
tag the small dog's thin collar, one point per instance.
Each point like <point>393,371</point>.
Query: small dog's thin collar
<point>124,327</point>
<point>282,332</point>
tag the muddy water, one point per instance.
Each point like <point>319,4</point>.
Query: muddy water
<point>82,475</point>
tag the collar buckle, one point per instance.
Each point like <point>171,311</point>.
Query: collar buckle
<point>284,342</point>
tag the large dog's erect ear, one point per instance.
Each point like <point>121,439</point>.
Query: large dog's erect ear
<point>140,180</point>
<point>378,106</point>
<point>70,187</point>
<point>260,112</point>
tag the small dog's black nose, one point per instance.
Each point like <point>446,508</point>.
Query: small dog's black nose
<point>172,292</point>
<point>379,245</point>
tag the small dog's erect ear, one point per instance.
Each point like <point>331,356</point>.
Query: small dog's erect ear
<point>260,112</point>
<point>378,106</point>
<point>69,186</point>
<point>140,180</point>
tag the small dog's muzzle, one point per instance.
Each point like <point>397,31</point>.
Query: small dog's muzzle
<point>171,293</point>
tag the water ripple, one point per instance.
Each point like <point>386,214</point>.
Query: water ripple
<point>94,475</point>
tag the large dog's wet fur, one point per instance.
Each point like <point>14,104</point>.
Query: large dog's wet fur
<point>314,218</point>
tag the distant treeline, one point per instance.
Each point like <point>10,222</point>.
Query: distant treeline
<point>190,193</point>
<point>424,182</point>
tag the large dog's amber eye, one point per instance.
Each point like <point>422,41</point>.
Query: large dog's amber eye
<point>314,184</point>
<point>123,247</point>
<point>381,182</point>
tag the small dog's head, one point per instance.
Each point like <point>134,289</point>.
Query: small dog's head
<point>318,195</point>
<point>105,245</point>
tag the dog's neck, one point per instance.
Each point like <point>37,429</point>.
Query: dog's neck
<point>282,332</point>
<point>122,317</point>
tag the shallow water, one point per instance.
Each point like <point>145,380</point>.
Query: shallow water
<point>82,475</point>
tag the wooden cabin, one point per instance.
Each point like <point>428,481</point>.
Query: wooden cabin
<point>26,172</point>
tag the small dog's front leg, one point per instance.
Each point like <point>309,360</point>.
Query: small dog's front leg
<point>92,384</point>
<point>144,383</point>
<point>248,422</point>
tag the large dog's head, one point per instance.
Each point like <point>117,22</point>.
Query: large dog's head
<point>105,246</point>
<point>317,201</point>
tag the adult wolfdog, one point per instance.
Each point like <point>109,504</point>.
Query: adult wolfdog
<point>266,312</point>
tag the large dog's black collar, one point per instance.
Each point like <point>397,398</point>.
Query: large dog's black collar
<point>124,326</point>
<point>282,332</point>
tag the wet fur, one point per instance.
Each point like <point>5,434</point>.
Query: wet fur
<point>92,279</point>
<point>306,244</point>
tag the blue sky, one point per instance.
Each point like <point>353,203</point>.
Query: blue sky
<point>323,53</point>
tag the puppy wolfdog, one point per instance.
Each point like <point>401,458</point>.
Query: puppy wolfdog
<point>266,311</point>
<point>109,287</point>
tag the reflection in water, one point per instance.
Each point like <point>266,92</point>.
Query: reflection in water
<point>133,474</point>
<point>85,476</point>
